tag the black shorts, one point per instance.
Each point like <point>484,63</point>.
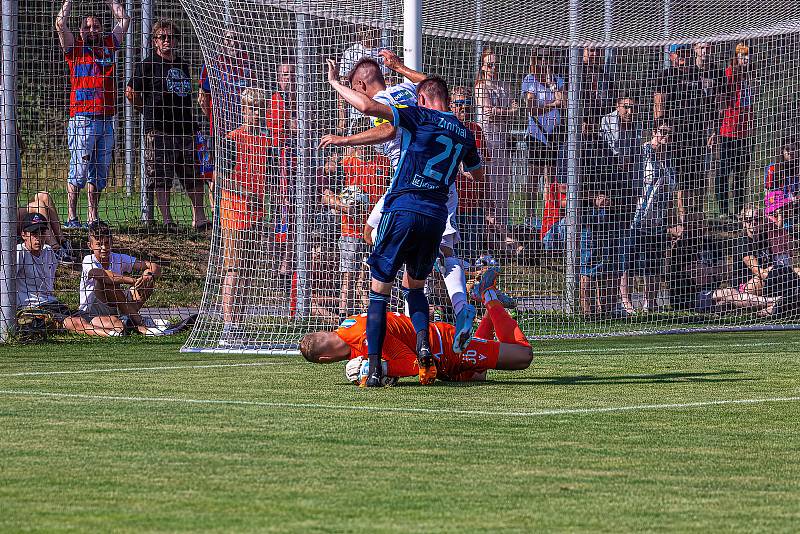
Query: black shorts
<point>168,156</point>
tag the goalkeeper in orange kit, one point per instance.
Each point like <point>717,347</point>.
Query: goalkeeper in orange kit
<point>498,343</point>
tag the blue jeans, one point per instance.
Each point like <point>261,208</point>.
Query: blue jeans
<point>556,236</point>
<point>91,145</point>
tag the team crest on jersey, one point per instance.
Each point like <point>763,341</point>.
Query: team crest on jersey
<point>105,57</point>
<point>178,83</point>
<point>347,323</point>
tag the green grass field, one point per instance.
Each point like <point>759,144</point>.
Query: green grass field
<point>678,433</point>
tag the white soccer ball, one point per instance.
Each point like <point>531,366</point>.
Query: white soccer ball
<point>359,367</point>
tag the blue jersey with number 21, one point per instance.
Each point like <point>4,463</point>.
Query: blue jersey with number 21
<point>434,143</point>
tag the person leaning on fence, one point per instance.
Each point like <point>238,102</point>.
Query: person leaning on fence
<point>36,268</point>
<point>42,204</point>
<point>161,90</point>
<point>110,295</point>
<point>92,104</point>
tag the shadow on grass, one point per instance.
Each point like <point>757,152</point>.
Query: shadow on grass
<point>660,378</point>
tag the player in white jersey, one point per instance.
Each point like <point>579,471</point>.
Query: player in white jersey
<point>374,86</point>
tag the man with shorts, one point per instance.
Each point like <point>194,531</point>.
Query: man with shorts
<point>415,209</point>
<point>367,78</point>
<point>92,104</point>
<point>107,308</point>
<point>161,90</point>
<point>499,343</point>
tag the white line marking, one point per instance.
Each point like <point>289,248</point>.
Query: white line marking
<point>754,345</point>
<point>442,411</point>
<point>127,369</point>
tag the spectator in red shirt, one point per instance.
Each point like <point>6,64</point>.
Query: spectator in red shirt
<point>735,133</point>
<point>92,103</point>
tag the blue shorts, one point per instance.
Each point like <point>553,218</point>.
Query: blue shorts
<point>91,145</point>
<point>590,265</point>
<point>405,237</point>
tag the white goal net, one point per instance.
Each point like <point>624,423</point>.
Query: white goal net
<point>642,162</point>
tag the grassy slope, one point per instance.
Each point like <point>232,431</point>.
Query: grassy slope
<point>90,464</point>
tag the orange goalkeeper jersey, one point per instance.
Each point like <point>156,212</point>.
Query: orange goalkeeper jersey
<point>399,347</point>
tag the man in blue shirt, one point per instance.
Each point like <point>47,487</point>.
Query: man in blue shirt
<point>434,144</point>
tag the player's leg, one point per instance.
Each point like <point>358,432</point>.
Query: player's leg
<point>384,263</point>
<point>456,284</point>
<point>419,253</point>
<point>83,325</point>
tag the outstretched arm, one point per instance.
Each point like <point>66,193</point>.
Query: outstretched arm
<point>374,136</point>
<point>361,102</point>
<point>123,20</point>
<point>392,61</point>
<point>65,36</point>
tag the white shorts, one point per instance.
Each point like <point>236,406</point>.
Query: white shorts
<point>97,308</point>
<point>450,237</point>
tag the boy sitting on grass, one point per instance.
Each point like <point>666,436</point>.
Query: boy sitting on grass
<point>107,307</point>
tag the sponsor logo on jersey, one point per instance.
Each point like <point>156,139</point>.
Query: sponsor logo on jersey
<point>347,323</point>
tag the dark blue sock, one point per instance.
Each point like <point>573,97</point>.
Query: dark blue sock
<point>418,310</point>
<point>376,329</point>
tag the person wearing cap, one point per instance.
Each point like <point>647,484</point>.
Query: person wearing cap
<point>43,204</point>
<point>110,295</point>
<point>735,133</point>
<point>680,99</point>
<point>36,268</point>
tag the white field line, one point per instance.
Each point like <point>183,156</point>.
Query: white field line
<point>754,346</point>
<point>435,411</point>
<point>134,369</point>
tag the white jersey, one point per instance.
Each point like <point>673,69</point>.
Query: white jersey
<point>35,277</point>
<point>119,264</point>
<point>404,94</point>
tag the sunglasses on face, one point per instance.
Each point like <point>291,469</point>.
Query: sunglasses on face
<point>627,106</point>
<point>167,36</point>
<point>462,102</point>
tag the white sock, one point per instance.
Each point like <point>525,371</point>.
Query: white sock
<point>455,282</point>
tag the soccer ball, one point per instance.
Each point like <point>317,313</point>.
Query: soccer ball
<point>359,367</point>
<point>353,196</point>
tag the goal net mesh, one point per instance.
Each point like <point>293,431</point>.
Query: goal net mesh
<point>641,163</point>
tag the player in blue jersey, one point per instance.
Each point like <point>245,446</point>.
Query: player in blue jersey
<point>366,77</point>
<point>434,144</point>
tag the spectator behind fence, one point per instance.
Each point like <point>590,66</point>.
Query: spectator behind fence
<point>36,267</point>
<point>232,70</point>
<point>785,174</point>
<point>597,88</point>
<point>621,169</point>
<point>696,280</point>
<point>367,175</point>
<point>161,90</point>
<point>248,163</point>
<point>653,220</point>
<point>679,98</point>
<point>496,109</point>
<point>92,104</point>
<point>735,134</point>
<point>110,296</point>
<point>768,253</point>
<point>42,204</point>
<point>544,95</point>
<point>471,191</point>
<point>281,122</point>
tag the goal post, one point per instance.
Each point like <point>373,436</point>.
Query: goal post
<point>623,195</point>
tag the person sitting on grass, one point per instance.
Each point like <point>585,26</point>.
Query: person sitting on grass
<point>110,296</point>
<point>36,268</point>
<point>498,343</point>
<point>42,204</point>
